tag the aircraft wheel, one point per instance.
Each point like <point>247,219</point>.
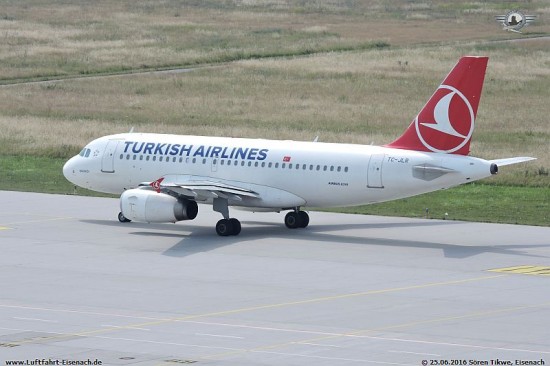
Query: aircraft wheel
<point>303,219</point>
<point>122,218</point>
<point>292,220</point>
<point>224,227</point>
<point>236,226</point>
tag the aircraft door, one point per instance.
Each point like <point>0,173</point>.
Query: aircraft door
<point>374,171</point>
<point>108,159</point>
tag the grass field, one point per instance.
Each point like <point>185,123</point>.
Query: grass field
<point>347,71</point>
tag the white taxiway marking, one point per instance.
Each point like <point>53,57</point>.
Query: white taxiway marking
<point>169,343</point>
<point>417,353</point>
<point>218,335</point>
<point>123,327</point>
<point>334,358</point>
<point>318,344</point>
<point>330,334</point>
<point>36,320</point>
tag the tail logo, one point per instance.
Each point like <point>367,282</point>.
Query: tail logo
<point>446,123</point>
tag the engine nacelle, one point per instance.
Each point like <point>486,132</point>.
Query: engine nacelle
<point>150,206</point>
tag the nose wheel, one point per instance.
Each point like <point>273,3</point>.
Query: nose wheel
<point>296,219</point>
<point>123,218</point>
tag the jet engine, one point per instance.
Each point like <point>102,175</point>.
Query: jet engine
<point>150,206</point>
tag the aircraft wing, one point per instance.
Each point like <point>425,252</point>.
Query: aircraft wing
<point>510,161</point>
<point>201,188</point>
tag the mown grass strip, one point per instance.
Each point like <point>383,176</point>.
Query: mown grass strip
<point>194,64</point>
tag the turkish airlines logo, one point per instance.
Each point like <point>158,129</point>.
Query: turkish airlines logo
<point>446,123</point>
<point>156,184</point>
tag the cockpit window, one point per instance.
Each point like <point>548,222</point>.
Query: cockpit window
<point>85,153</point>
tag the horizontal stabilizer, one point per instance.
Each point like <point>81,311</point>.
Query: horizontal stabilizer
<point>510,161</point>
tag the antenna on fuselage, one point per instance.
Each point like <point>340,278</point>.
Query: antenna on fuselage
<point>131,130</point>
<point>316,139</point>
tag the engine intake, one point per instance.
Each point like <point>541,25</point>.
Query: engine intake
<point>150,206</point>
<point>494,169</point>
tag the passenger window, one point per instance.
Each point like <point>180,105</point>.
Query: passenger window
<point>154,158</point>
<point>269,164</point>
<point>236,163</point>
<point>160,158</point>
<point>311,167</point>
<point>332,168</point>
<point>339,168</point>
<point>242,163</point>
<point>147,158</point>
<point>263,164</point>
<point>346,169</point>
<point>141,157</point>
<point>283,165</point>
<point>318,167</point>
<point>276,165</point>
<point>121,156</point>
<point>134,157</point>
<point>249,163</point>
<point>128,157</point>
<point>304,167</point>
<point>325,168</point>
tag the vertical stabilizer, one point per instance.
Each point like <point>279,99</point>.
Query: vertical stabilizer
<point>446,123</point>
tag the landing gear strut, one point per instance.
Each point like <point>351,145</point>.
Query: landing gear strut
<point>296,219</point>
<point>226,226</point>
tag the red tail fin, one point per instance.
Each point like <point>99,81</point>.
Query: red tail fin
<point>446,122</point>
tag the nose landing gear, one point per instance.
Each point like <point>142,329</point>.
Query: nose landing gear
<point>123,218</point>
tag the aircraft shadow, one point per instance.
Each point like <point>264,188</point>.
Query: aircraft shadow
<point>199,239</point>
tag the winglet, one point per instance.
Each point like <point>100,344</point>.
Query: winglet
<point>156,184</point>
<point>446,123</point>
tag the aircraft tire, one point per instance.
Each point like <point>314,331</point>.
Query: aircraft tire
<point>122,218</point>
<point>235,226</point>
<point>303,219</point>
<point>292,220</point>
<point>224,227</point>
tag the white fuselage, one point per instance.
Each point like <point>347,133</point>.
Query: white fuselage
<point>285,174</point>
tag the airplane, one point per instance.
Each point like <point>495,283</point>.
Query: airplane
<point>162,178</point>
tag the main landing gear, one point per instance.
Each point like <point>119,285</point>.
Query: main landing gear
<point>226,226</point>
<point>296,219</point>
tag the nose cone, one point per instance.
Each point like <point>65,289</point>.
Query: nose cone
<point>69,170</point>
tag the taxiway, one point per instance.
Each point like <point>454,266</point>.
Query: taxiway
<point>76,284</point>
